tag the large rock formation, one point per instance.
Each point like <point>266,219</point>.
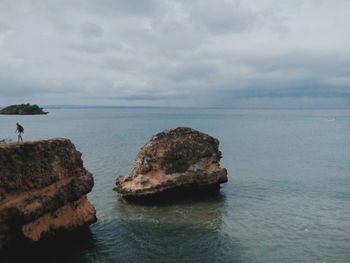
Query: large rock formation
<point>43,187</point>
<point>174,159</point>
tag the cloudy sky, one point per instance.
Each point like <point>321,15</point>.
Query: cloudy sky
<point>231,53</point>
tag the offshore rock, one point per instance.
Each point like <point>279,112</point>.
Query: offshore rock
<point>43,187</point>
<point>175,159</point>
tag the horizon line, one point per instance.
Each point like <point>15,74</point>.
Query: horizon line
<point>79,106</point>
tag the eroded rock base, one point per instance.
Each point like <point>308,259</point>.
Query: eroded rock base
<point>177,195</point>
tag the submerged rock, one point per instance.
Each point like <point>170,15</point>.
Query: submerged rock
<point>43,187</point>
<point>175,159</point>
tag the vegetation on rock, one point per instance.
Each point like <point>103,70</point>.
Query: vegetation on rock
<point>23,109</point>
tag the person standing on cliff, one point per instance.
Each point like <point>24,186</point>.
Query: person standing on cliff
<point>19,130</point>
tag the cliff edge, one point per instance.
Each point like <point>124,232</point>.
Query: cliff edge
<point>43,187</point>
<point>176,158</point>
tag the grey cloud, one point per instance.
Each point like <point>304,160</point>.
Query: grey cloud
<point>220,17</point>
<point>4,28</point>
<point>175,52</point>
<point>294,91</point>
<point>136,6</point>
<point>192,71</point>
<point>91,30</point>
<point>121,7</point>
<point>139,97</point>
<point>87,47</point>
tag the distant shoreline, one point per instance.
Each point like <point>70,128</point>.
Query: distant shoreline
<point>168,107</point>
<point>176,107</point>
<point>25,113</point>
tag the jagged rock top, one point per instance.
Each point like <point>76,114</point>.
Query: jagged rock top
<point>172,158</point>
<point>176,150</point>
<point>35,164</point>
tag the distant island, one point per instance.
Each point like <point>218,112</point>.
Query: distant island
<point>23,109</point>
<point>5,141</point>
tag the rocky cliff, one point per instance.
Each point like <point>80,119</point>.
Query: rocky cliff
<point>43,187</point>
<point>175,158</point>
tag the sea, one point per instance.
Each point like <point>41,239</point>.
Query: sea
<point>287,198</point>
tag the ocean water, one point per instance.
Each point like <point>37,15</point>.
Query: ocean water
<point>287,199</point>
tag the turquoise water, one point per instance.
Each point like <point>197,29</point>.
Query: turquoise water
<point>287,199</point>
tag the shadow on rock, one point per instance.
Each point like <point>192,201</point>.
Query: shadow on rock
<point>178,195</point>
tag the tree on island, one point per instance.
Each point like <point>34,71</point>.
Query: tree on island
<point>23,109</point>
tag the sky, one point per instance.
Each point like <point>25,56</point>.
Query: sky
<point>178,53</point>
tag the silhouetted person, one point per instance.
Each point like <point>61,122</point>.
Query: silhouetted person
<point>19,131</point>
